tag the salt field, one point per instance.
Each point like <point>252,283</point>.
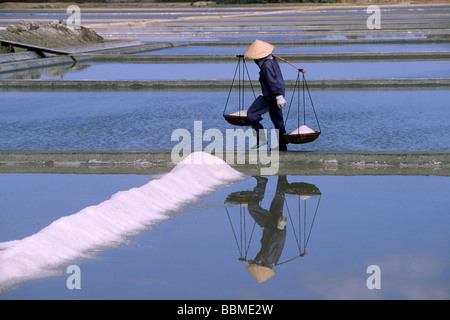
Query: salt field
<point>204,49</point>
<point>91,207</point>
<point>267,36</point>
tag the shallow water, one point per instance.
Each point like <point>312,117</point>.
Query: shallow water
<point>398,223</point>
<point>135,13</point>
<point>361,48</point>
<point>212,71</point>
<point>251,38</point>
<point>98,15</point>
<point>350,120</point>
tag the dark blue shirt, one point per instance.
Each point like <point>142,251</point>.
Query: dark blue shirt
<point>271,79</point>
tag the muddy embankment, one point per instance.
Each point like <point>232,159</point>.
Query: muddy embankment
<point>53,34</point>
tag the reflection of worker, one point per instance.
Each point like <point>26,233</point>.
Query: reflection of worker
<point>272,92</point>
<point>273,224</point>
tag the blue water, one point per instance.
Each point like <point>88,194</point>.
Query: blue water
<point>138,120</point>
<point>262,36</point>
<point>398,223</point>
<point>157,13</point>
<point>212,71</point>
<point>199,49</point>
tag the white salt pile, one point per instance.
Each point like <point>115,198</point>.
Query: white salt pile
<point>302,130</point>
<point>241,113</point>
<point>126,213</point>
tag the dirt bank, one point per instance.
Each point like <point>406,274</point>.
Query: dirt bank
<point>50,35</point>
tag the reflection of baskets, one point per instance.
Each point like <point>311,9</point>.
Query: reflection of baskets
<point>243,224</point>
<point>301,138</point>
<point>239,197</point>
<point>236,120</point>
<point>302,189</point>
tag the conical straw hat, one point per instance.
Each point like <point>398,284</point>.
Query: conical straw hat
<point>258,50</point>
<point>260,273</point>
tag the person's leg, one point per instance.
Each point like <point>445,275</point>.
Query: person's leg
<point>258,108</point>
<point>276,115</point>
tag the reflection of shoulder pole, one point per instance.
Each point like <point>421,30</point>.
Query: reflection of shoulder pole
<point>301,70</point>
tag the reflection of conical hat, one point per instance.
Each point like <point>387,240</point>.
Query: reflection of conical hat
<point>260,273</point>
<point>258,50</point>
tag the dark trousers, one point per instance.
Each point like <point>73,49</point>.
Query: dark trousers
<point>263,105</point>
<point>273,239</point>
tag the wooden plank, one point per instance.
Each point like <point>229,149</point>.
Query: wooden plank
<point>31,47</point>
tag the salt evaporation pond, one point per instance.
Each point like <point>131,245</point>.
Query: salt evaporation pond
<point>212,71</point>
<point>398,223</point>
<point>374,120</point>
<point>355,48</point>
<point>271,36</point>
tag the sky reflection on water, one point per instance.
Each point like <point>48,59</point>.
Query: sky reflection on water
<point>141,120</point>
<point>213,71</point>
<point>396,222</point>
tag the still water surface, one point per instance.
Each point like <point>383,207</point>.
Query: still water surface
<point>355,48</point>
<point>398,223</point>
<point>211,71</point>
<point>145,120</point>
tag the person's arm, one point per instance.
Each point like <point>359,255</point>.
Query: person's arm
<point>274,78</point>
<point>275,82</point>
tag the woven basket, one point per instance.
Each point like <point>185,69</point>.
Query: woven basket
<point>301,138</point>
<point>236,120</point>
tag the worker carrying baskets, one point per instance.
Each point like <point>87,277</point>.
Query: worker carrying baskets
<point>271,100</point>
<point>272,94</point>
